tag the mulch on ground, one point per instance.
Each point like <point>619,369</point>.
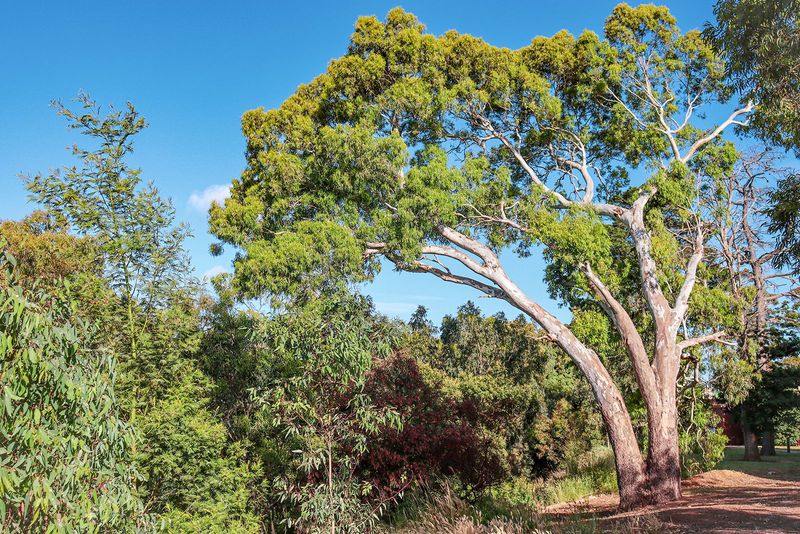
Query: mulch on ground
<point>718,502</point>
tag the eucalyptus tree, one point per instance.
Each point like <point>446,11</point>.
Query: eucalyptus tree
<point>761,40</point>
<point>434,154</point>
<point>787,427</point>
<point>65,451</point>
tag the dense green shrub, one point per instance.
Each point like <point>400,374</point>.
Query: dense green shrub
<point>702,443</point>
<point>312,392</point>
<point>65,461</point>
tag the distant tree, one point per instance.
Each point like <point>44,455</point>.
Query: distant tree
<point>434,153</point>
<point>777,393</point>
<point>761,43</point>
<point>419,320</point>
<point>48,254</point>
<point>787,428</point>
<point>747,255</point>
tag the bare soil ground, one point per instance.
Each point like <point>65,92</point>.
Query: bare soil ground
<point>739,497</point>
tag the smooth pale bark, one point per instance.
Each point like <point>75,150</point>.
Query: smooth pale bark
<point>632,479</point>
<point>662,467</point>
<point>641,482</point>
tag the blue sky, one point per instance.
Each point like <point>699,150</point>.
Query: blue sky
<point>193,68</point>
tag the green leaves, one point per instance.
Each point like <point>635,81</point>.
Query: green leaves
<point>64,458</point>
<point>104,198</point>
<point>409,131</point>
<point>313,395</point>
<point>761,41</point>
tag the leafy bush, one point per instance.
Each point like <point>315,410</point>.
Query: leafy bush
<point>313,394</point>
<point>198,479</point>
<point>64,450</point>
<point>440,437</point>
<point>702,443</point>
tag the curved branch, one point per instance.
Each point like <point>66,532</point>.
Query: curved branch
<point>486,254</point>
<point>455,254</point>
<point>489,290</point>
<point>693,341</point>
<point>718,130</point>
<point>628,331</point>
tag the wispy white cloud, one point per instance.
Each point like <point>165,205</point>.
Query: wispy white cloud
<point>202,200</point>
<point>214,271</point>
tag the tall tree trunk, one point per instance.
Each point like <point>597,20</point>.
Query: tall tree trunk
<point>630,466</point>
<point>768,442</point>
<point>640,483</point>
<point>631,476</point>
<point>751,453</point>
<point>663,469</point>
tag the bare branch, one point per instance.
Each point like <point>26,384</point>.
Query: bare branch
<point>489,290</point>
<point>718,130</point>
<point>682,301</point>
<point>718,337</point>
<point>563,202</point>
<point>455,254</point>
<point>373,249</point>
<point>486,254</point>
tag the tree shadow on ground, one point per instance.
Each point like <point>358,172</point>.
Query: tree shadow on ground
<point>739,497</point>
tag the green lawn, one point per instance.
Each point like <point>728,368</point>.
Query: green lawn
<point>784,462</point>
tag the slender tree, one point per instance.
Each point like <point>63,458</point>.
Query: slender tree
<point>433,154</point>
<point>133,225</point>
<point>196,480</point>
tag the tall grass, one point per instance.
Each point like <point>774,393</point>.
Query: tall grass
<point>588,474</point>
<point>517,505</point>
<point>446,514</point>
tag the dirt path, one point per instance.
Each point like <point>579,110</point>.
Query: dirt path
<point>720,501</point>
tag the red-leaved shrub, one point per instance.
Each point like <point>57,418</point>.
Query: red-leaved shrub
<point>439,437</point>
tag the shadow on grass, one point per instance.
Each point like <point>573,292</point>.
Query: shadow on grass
<point>783,466</point>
